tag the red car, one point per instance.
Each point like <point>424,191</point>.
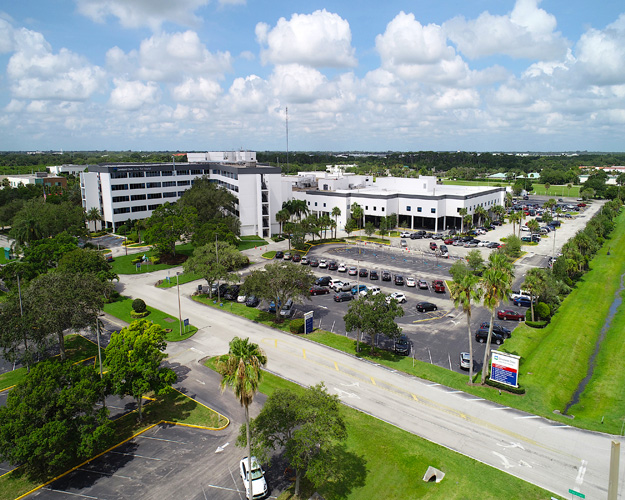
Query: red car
<point>510,314</point>
<point>432,245</point>
<point>438,286</point>
<point>581,204</point>
<point>449,241</point>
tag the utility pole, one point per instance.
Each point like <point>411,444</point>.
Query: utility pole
<point>614,467</point>
<point>217,258</point>
<point>179,309</point>
<point>287,139</point>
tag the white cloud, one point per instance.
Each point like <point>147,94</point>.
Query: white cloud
<point>139,13</point>
<point>601,54</point>
<point>526,32</point>
<point>297,83</point>
<point>7,43</point>
<point>320,39</point>
<point>169,57</point>
<point>35,72</point>
<point>417,52</point>
<point>248,95</point>
<point>199,89</point>
<point>456,99</point>
<point>133,95</point>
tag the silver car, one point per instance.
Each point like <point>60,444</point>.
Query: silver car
<point>465,360</point>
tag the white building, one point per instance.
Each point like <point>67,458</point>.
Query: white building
<point>66,169</point>
<point>123,191</point>
<point>418,203</point>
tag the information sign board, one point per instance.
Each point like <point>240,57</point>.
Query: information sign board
<point>504,368</point>
<point>308,322</point>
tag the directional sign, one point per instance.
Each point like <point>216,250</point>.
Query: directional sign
<point>308,322</point>
<point>577,494</point>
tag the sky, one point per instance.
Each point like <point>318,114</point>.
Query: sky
<point>219,75</point>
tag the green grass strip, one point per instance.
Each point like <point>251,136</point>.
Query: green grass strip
<point>122,264</point>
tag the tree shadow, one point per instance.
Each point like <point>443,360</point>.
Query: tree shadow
<point>348,472</point>
<point>181,371</point>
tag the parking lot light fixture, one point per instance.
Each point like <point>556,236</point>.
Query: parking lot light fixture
<point>179,309</point>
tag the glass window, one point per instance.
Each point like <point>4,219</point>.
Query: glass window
<point>119,199</point>
<point>408,209</point>
<point>433,210</point>
<point>154,196</point>
<point>153,174</point>
<point>137,186</point>
<point>169,194</point>
<point>119,187</point>
<point>137,197</point>
<point>140,208</point>
<point>419,209</point>
<point>153,185</point>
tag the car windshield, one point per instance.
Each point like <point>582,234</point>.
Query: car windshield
<point>257,474</point>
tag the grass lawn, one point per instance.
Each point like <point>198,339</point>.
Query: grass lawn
<point>172,407</point>
<point>269,255</point>
<point>182,279</point>
<point>77,348</point>
<point>559,191</point>
<point>123,263</point>
<point>372,239</point>
<point>387,462</point>
<point>121,310</point>
<point>252,241</point>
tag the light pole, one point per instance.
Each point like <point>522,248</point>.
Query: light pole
<point>179,309</point>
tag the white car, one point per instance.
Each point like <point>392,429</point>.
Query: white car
<point>323,264</point>
<point>373,290</point>
<point>398,296</point>
<point>411,282</point>
<point>259,485</point>
<point>483,243</point>
<point>342,268</point>
<point>404,234</point>
<point>241,299</point>
<point>336,285</point>
<point>525,228</point>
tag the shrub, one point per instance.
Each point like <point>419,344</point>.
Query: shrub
<point>138,315</point>
<point>297,325</point>
<point>536,324</point>
<point>542,310</point>
<point>137,260</point>
<point>138,306</point>
<point>512,248</point>
<point>155,260</point>
<point>507,388</point>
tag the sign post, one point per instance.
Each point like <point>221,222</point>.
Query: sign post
<point>308,322</point>
<point>504,368</point>
<point>185,322</point>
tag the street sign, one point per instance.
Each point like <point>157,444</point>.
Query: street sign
<point>185,322</point>
<point>577,493</point>
<point>308,322</point>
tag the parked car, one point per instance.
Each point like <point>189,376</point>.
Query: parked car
<point>402,346</point>
<point>252,301</point>
<point>465,360</point>
<point>373,275</point>
<point>426,306</point>
<point>433,245</point>
<point>493,244</point>
<point>287,309</point>
<point>279,254</point>
<point>222,289</point>
<point>497,328</point>
<point>398,296</point>
<point>399,280</point>
<point>403,243</point>
<point>241,299</point>
<point>386,276</point>
<point>232,293</point>
<point>482,335</point>
<point>363,273</point>
<point>305,261</point>
<point>323,264</point>
<point>297,257</point>
<point>323,281</point>
<point>313,262</point>
<point>339,286</point>
<point>415,236</point>
<point>342,268</point>
<point>332,266</point>
<point>359,288</point>
<point>423,285</point>
<point>343,296</point>
<point>272,306</point>
<point>444,251</point>
<point>404,234</point>
<point>449,241</point>
<point>288,256</point>
<point>373,290</point>
<point>258,484</point>
<point>510,314</point>
<point>353,271</point>
<point>411,282</point>
<point>438,286</point>
<point>319,290</point>
<point>521,302</point>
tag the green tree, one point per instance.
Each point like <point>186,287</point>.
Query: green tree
<point>308,425</point>
<point>533,283</point>
<point>463,213</point>
<point>496,284</point>
<point>241,372</point>
<point>464,292</point>
<point>369,229</point>
<point>357,214</point>
<point>46,253</point>
<point>214,261</point>
<point>133,360</point>
<point>93,215</point>
<point>587,193</point>
<point>350,226</point>
<point>547,187</point>
<point>481,214</point>
<point>279,282</point>
<point>475,261</point>
<point>51,421</point>
<point>533,225</point>
<point>65,301</point>
<point>499,211</point>
<point>168,224</point>
<point>372,315</point>
<point>515,218</point>
<point>336,213</point>
<point>211,202</point>
<point>467,221</point>
<point>82,260</point>
<point>282,216</point>
<point>459,270</point>
<point>512,248</point>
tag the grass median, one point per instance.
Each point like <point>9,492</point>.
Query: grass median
<point>396,460</point>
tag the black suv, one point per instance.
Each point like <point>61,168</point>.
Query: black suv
<point>232,293</point>
<point>399,280</point>
<point>497,328</point>
<point>402,346</point>
<point>363,273</point>
<point>386,276</point>
<point>482,335</point>
<point>323,281</point>
<point>332,265</point>
<point>373,275</point>
<point>279,254</point>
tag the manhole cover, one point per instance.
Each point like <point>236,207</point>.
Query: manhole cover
<point>170,320</point>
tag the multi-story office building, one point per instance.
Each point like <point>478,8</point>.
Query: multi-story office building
<point>123,191</point>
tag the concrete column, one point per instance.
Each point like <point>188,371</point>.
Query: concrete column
<point>444,222</point>
<point>436,224</point>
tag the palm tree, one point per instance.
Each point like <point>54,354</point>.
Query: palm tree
<point>547,186</point>
<point>568,188</point>
<point>533,283</point>
<point>468,220</point>
<point>93,215</point>
<point>508,199</point>
<point>499,211</point>
<point>480,212</point>
<point>463,292</point>
<point>336,213</point>
<point>496,283</point>
<point>282,216</point>
<point>463,213</point>
<point>240,370</point>
<point>357,213</point>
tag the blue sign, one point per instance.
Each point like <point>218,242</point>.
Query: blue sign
<point>504,368</point>
<point>185,322</point>
<point>308,322</point>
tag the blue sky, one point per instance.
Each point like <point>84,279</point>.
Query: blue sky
<point>477,75</point>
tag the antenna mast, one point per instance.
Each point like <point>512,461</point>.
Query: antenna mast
<point>287,139</point>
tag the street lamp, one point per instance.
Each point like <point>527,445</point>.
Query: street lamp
<point>179,309</point>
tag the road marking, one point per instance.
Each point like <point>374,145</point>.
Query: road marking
<point>342,393</point>
<point>415,397</point>
<point>555,427</point>
<point>161,439</point>
<point>453,392</point>
<point>197,350</point>
<point>580,475</point>
<point>200,381</point>
<point>336,366</point>
<point>523,463</point>
<point>109,474</point>
<point>528,416</point>
<point>475,399</point>
<point>221,448</point>
<point>501,408</point>
<point>373,381</point>
<point>511,445</point>
<point>304,351</point>
<point>136,456</point>
<point>70,493</point>
<point>506,462</point>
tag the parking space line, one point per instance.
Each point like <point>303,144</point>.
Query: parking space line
<point>108,474</point>
<point>528,416</point>
<point>162,439</point>
<point>70,493</point>
<point>501,408</point>
<point>135,456</point>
